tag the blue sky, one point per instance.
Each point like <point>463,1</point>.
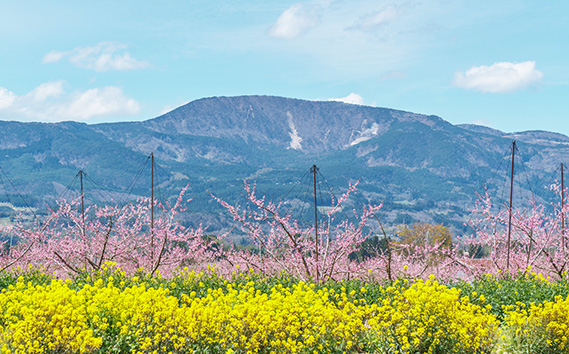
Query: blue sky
<point>499,63</point>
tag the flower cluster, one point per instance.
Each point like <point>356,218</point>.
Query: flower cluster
<point>38,319</point>
<point>539,327</point>
<point>108,311</point>
<point>429,317</point>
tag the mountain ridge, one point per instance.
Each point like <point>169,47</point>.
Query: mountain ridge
<point>217,142</point>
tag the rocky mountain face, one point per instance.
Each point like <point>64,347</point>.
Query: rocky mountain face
<point>310,127</point>
<point>421,167</point>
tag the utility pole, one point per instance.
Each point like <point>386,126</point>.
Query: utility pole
<point>152,206</point>
<point>562,212</point>
<point>82,201</point>
<point>314,169</point>
<point>510,216</point>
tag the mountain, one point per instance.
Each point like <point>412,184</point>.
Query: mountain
<point>421,167</point>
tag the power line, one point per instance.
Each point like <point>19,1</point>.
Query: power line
<point>295,185</point>
<point>332,194</point>
<point>18,193</point>
<point>134,181</point>
<point>506,153</point>
<point>527,178</point>
<point>100,189</point>
<point>5,190</point>
<point>68,189</point>
<point>305,195</point>
<point>508,173</point>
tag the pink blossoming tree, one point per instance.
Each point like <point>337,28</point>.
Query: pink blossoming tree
<point>64,242</point>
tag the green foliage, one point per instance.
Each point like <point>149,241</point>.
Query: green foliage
<point>510,289</point>
<point>31,275</point>
<point>372,247</point>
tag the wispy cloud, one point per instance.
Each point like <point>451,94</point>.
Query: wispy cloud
<point>499,77</point>
<point>104,56</point>
<point>393,75</point>
<point>54,56</point>
<point>352,98</point>
<point>49,102</point>
<point>294,21</point>
<point>374,20</point>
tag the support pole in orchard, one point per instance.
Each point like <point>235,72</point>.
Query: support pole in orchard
<point>562,212</point>
<point>82,201</point>
<point>314,169</point>
<point>510,213</point>
<point>152,206</point>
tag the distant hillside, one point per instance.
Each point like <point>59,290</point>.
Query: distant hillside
<point>421,167</point>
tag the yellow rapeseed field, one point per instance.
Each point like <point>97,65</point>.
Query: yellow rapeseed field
<point>114,313</point>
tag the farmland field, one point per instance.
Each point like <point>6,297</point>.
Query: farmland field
<point>245,312</point>
<point>118,280</point>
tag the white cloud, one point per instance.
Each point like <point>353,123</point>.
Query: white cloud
<point>99,102</point>
<point>294,21</point>
<point>499,77</point>
<point>49,102</point>
<point>352,98</point>
<point>372,21</point>
<point>102,57</point>
<point>7,98</point>
<point>53,57</point>
<point>47,90</point>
